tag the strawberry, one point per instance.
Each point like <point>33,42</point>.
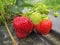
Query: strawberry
<point>44,27</point>
<point>23,26</point>
<point>21,35</point>
<point>55,14</point>
<point>36,17</point>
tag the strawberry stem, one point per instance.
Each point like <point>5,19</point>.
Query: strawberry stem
<point>10,34</point>
<point>3,19</point>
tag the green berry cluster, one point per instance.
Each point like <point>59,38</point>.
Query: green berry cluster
<point>39,12</point>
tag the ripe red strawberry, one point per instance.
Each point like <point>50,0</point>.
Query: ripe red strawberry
<point>44,27</point>
<point>23,26</point>
<point>21,35</point>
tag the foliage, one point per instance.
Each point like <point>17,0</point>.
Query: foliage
<point>12,7</point>
<point>52,4</point>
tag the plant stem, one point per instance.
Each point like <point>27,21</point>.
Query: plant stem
<point>11,36</point>
<point>3,19</point>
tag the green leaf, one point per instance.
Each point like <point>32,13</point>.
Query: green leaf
<point>52,4</point>
<point>19,2</point>
<point>10,2</point>
<point>26,5</point>
<point>23,3</point>
<point>18,7</point>
<point>14,9</point>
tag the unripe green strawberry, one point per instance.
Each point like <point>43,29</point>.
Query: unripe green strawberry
<point>41,8</point>
<point>36,17</point>
<point>55,14</point>
<point>44,27</point>
<point>46,11</point>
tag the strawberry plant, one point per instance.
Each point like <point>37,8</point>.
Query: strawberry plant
<point>36,12</point>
